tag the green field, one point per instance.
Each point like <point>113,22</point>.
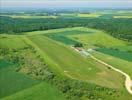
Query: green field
<point>54,49</point>
<point>108,45</point>
<point>123,16</point>
<point>37,92</point>
<point>63,39</point>
<point>94,39</point>
<point>28,16</point>
<point>12,42</point>
<point>116,53</point>
<point>115,61</point>
<point>62,36</point>
<point>67,15</point>
<point>19,85</point>
<point>80,15</point>
<point>89,37</point>
<point>11,81</point>
<point>65,50</point>
<point>101,39</point>
<point>92,15</point>
<point>61,15</point>
<point>73,64</point>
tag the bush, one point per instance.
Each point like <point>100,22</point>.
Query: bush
<point>78,45</point>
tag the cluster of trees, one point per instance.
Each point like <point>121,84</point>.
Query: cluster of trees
<point>76,90</point>
<point>78,45</point>
<point>120,28</point>
<point>33,66</point>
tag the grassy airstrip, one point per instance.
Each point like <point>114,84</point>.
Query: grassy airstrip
<point>72,63</point>
<point>110,40</point>
<point>61,58</point>
<point>92,38</point>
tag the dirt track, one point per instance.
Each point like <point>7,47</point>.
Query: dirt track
<point>128,81</point>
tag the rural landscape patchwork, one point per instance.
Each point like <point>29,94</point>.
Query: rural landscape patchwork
<point>66,54</point>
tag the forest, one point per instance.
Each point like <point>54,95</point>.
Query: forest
<point>119,28</point>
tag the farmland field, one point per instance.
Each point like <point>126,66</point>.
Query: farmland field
<point>42,90</point>
<point>68,71</point>
<point>89,15</point>
<point>9,78</point>
<point>80,15</point>
<point>122,16</point>
<point>119,54</point>
<point>10,42</point>
<point>66,54</point>
<point>100,39</point>
<point>70,59</point>
<point>28,16</point>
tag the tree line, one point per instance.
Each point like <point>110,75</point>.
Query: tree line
<point>119,28</point>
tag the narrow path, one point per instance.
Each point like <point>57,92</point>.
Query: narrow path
<point>128,81</point>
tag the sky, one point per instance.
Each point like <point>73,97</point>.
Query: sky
<point>65,3</point>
